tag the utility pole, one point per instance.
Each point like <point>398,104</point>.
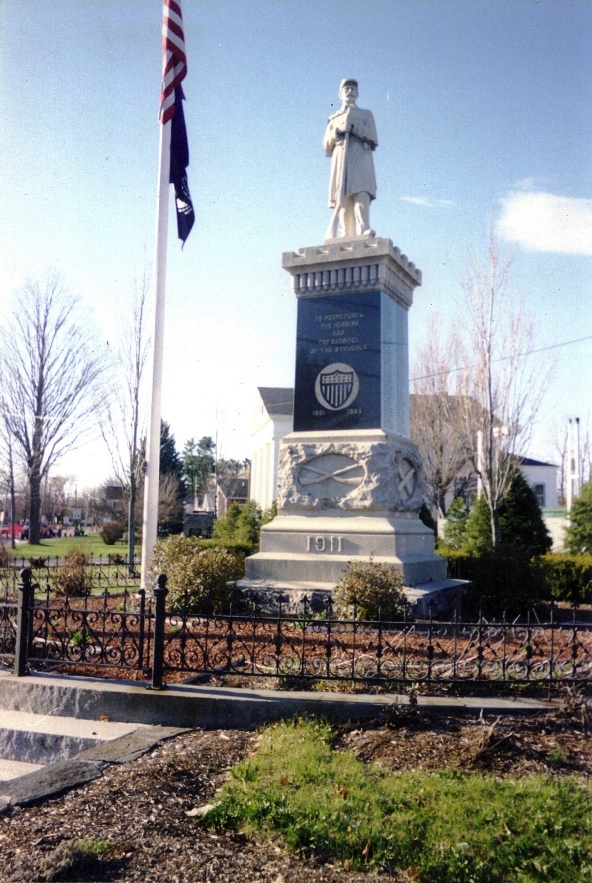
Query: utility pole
<point>574,471</point>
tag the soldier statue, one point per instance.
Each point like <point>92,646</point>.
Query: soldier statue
<point>350,139</point>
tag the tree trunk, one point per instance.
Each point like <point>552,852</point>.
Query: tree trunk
<point>12,499</point>
<point>495,528</point>
<point>35,508</point>
<point>131,527</point>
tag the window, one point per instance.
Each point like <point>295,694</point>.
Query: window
<point>539,492</point>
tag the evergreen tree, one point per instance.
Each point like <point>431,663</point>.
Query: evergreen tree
<point>521,520</point>
<point>172,489</point>
<point>269,514</point>
<point>579,533</point>
<point>227,528</point>
<point>170,461</point>
<point>478,532</point>
<point>456,524</point>
<point>241,524</point>
<point>198,463</point>
<point>425,516</point>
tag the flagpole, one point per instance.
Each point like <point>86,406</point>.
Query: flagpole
<point>152,466</point>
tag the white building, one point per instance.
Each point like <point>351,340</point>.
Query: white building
<point>542,477</point>
<point>274,416</point>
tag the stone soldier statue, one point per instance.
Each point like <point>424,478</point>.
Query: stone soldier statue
<point>349,140</point>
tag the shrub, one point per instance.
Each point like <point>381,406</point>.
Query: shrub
<point>232,545</point>
<point>503,580</point>
<point>198,578</point>
<point>372,586</point>
<point>73,860</point>
<point>112,531</point>
<point>568,577</point>
<point>74,577</point>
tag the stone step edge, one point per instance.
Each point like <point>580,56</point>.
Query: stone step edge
<point>63,775</point>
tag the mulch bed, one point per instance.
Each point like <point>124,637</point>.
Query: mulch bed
<point>141,808</point>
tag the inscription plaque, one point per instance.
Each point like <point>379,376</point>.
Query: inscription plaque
<point>338,361</point>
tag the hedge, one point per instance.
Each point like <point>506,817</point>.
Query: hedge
<point>568,577</point>
<point>509,579</point>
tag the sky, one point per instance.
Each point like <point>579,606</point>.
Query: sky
<point>483,116</point>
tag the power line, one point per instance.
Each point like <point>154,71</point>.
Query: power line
<point>541,349</point>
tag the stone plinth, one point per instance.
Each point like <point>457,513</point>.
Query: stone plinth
<point>347,496</point>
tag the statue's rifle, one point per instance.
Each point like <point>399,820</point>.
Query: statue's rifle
<point>343,188</point>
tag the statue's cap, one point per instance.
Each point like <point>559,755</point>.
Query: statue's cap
<point>347,82</point>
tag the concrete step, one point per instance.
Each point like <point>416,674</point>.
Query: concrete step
<point>40,739</point>
<point>14,769</point>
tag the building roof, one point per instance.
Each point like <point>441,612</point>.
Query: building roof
<point>278,400</point>
<point>528,461</point>
<point>235,488</point>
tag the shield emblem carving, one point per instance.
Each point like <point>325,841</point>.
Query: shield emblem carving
<point>337,386</point>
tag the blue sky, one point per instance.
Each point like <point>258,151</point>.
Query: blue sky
<point>483,116</point>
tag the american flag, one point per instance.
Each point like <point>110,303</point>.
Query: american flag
<point>174,60</point>
<point>171,108</point>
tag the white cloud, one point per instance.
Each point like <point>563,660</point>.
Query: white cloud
<point>427,203</point>
<point>541,221</point>
<point>528,184</point>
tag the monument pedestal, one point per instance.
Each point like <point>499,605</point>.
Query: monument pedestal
<point>350,479</point>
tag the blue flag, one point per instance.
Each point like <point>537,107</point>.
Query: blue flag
<point>178,171</point>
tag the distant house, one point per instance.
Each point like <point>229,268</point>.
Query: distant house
<point>114,503</point>
<point>542,477</point>
<point>234,490</point>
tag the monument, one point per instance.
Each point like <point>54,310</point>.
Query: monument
<point>350,479</point>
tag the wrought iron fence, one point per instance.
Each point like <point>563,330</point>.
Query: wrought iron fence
<point>265,637</point>
<point>75,574</point>
<point>321,645</point>
<point>8,626</point>
<point>44,628</point>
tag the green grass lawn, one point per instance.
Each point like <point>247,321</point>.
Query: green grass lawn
<point>91,545</point>
<point>443,827</point>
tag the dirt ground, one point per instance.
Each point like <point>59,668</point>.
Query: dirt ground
<point>142,809</point>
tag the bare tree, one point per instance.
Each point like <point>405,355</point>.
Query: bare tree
<point>558,442</point>
<point>500,385</point>
<point>441,450</point>
<point>170,506</point>
<point>122,427</point>
<point>51,380</point>
<point>6,440</point>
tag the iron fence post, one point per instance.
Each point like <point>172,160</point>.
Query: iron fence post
<point>24,621</point>
<point>160,594</point>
